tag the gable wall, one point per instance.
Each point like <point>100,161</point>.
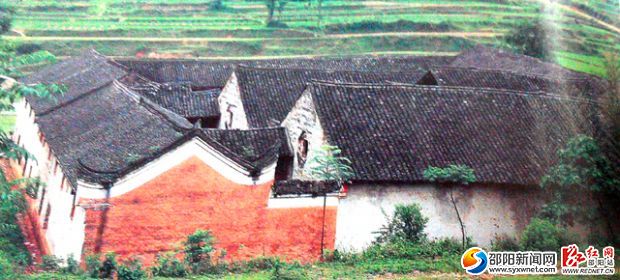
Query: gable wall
<point>230,97</point>
<point>159,215</point>
<point>487,211</point>
<point>303,117</point>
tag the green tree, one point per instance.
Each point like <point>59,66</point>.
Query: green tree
<point>530,38</point>
<point>450,176</point>
<point>11,199</point>
<point>582,169</point>
<point>328,164</point>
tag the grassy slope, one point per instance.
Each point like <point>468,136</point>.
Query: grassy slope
<point>239,30</point>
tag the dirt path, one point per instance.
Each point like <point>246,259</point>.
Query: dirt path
<point>255,39</point>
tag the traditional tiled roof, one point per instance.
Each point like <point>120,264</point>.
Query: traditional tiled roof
<point>496,59</point>
<point>108,130</point>
<point>112,131</point>
<point>180,99</point>
<point>394,132</point>
<point>301,187</point>
<point>204,74</point>
<point>268,94</point>
<point>81,74</point>
<point>482,78</point>
<point>498,79</point>
<point>254,147</point>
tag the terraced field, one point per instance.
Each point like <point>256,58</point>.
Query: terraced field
<point>582,29</point>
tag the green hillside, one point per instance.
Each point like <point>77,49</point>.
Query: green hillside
<point>583,29</point>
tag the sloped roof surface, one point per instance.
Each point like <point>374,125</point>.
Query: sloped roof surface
<point>215,73</point>
<point>268,94</point>
<point>180,99</point>
<point>498,79</point>
<point>80,74</point>
<point>394,132</point>
<point>256,147</point>
<point>495,59</point>
<point>108,130</point>
<point>482,78</point>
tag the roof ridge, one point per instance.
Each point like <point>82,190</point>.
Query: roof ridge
<point>569,78</point>
<point>539,94</point>
<point>154,108</point>
<point>82,95</point>
<point>284,69</point>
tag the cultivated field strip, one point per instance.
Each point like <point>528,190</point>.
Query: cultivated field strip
<point>586,28</point>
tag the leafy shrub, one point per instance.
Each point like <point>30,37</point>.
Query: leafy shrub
<point>198,249</point>
<point>12,241</point>
<point>72,267</point>
<point>283,271</point>
<point>50,263</point>
<point>541,235</point>
<point>412,250</point>
<point>131,270</point>
<point>407,224</point>
<point>169,266</point>
<point>108,266</point>
<point>101,269</point>
<point>505,243</point>
<point>7,270</point>
<point>93,264</point>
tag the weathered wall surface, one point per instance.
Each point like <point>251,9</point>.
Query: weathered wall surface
<point>303,118</point>
<point>52,209</point>
<point>486,211</point>
<point>159,215</point>
<point>230,103</point>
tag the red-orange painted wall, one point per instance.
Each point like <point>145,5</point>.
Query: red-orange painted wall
<point>158,217</point>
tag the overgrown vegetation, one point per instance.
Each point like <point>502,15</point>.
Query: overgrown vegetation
<point>451,176</point>
<point>579,184</point>
<point>13,254</point>
<point>531,38</point>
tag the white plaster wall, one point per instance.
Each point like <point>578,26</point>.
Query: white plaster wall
<point>195,147</point>
<point>302,118</point>
<point>301,201</point>
<point>486,212</point>
<point>64,235</point>
<point>231,97</point>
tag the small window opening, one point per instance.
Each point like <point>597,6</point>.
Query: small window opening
<point>48,210</point>
<point>42,199</point>
<point>302,149</point>
<point>228,123</point>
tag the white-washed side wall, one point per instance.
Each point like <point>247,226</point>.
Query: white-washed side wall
<point>303,118</point>
<point>230,102</point>
<point>487,212</point>
<point>63,231</point>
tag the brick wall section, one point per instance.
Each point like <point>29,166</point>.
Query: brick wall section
<point>159,215</point>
